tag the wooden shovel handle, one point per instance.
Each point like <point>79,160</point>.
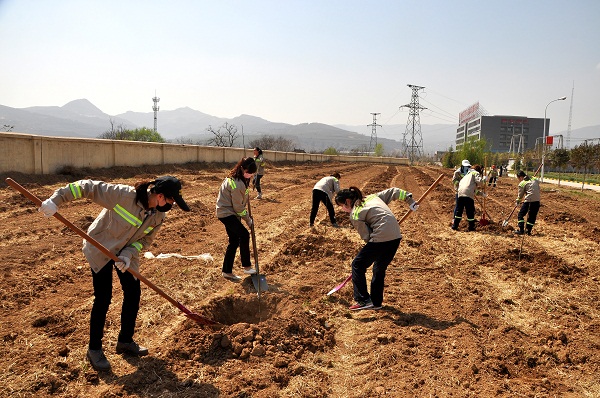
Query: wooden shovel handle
<point>435,183</point>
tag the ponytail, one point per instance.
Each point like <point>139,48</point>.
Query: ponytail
<point>352,193</point>
<point>141,192</point>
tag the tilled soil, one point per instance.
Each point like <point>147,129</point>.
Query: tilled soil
<point>465,314</point>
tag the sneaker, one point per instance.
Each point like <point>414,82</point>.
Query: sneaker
<point>311,225</point>
<point>250,270</point>
<point>98,360</point>
<point>132,348</point>
<point>335,225</point>
<point>361,305</point>
<point>376,307</point>
<point>528,232</point>
<point>231,277</point>
<point>259,196</point>
<point>518,232</point>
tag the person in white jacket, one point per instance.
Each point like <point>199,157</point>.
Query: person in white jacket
<point>323,192</point>
<point>468,187</point>
<point>378,227</point>
<point>129,222</point>
<point>231,209</point>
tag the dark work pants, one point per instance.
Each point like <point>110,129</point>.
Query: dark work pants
<point>102,282</point>
<point>468,204</point>
<point>380,255</point>
<point>530,208</point>
<point>238,237</point>
<point>319,197</point>
<point>257,182</point>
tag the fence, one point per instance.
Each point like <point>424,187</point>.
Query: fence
<point>35,154</point>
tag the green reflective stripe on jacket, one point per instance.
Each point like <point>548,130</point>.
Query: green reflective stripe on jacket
<point>402,195</point>
<point>148,230</point>
<point>232,183</point>
<point>357,209</point>
<point>75,190</point>
<point>247,191</point>
<point>127,216</point>
<point>138,246</point>
<point>243,213</point>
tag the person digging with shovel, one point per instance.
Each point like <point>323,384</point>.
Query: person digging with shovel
<point>129,222</point>
<point>529,194</point>
<point>231,209</point>
<point>323,192</point>
<point>467,189</point>
<point>376,225</point>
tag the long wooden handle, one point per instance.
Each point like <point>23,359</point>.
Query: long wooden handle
<point>435,183</point>
<point>38,202</point>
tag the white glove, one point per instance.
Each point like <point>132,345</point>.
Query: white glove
<point>249,221</point>
<point>123,264</point>
<point>413,206</point>
<point>48,207</point>
<point>484,178</point>
<point>484,194</point>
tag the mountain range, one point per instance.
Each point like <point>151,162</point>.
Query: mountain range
<point>81,118</point>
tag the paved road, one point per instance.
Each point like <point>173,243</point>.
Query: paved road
<point>564,183</point>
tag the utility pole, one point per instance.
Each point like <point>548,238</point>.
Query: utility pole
<point>373,126</point>
<point>155,108</point>
<point>570,117</point>
<point>413,147</point>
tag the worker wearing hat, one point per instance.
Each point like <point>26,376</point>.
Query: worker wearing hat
<point>529,195</point>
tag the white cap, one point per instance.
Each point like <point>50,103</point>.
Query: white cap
<point>466,163</point>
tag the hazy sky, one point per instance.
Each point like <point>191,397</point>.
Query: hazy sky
<point>297,61</point>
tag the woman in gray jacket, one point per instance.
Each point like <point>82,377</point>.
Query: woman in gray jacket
<point>231,209</point>
<point>128,223</point>
<point>377,226</point>
<point>323,192</point>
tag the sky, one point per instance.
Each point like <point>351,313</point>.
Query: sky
<point>305,61</point>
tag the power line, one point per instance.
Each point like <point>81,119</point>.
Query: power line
<point>414,147</point>
<point>373,126</point>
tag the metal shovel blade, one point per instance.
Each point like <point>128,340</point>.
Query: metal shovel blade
<point>260,282</point>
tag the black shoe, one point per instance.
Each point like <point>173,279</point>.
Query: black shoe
<point>98,360</point>
<point>528,232</point>
<point>335,225</point>
<point>518,232</point>
<point>132,348</point>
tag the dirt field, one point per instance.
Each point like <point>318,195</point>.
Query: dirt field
<point>465,314</point>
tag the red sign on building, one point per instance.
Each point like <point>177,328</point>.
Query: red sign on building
<point>549,140</point>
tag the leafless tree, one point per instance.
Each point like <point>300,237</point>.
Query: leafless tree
<point>273,143</point>
<point>224,136</point>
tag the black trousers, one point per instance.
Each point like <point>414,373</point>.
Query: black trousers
<point>102,282</point>
<point>530,208</point>
<point>238,237</point>
<point>319,197</point>
<point>380,255</point>
<point>465,203</point>
<point>257,182</point>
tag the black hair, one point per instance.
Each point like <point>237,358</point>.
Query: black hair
<point>257,149</point>
<point>521,173</point>
<point>352,193</point>
<point>141,193</point>
<point>247,164</point>
<point>336,175</point>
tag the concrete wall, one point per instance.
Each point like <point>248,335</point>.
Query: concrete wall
<point>34,154</point>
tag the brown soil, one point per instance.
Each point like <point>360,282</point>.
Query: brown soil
<point>465,314</point>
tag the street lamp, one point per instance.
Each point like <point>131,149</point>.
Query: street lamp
<point>544,135</point>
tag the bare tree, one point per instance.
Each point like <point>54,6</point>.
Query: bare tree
<point>224,136</point>
<point>273,143</point>
<point>6,128</point>
<point>115,132</point>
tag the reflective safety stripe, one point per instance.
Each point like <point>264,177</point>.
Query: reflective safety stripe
<point>148,230</point>
<point>127,216</point>
<point>232,183</point>
<point>243,213</point>
<point>402,195</point>
<point>247,191</point>
<point>357,209</point>
<point>76,190</point>
<point>138,246</point>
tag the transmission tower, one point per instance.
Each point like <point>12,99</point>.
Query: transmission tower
<point>373,126</point>
<point>413,147</point>
<point>570,117</point>
<point>155,108</point>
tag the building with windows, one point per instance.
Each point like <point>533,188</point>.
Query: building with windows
<point>502,133</point>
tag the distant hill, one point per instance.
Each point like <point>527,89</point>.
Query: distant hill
<point>81,118</point>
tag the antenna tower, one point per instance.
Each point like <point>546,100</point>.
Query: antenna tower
<point>155,108</point>
<point>570,117</point>
<point>373,126</point>
<point>413,147</point>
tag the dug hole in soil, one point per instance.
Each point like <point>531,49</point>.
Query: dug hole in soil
<point>465,314</point>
